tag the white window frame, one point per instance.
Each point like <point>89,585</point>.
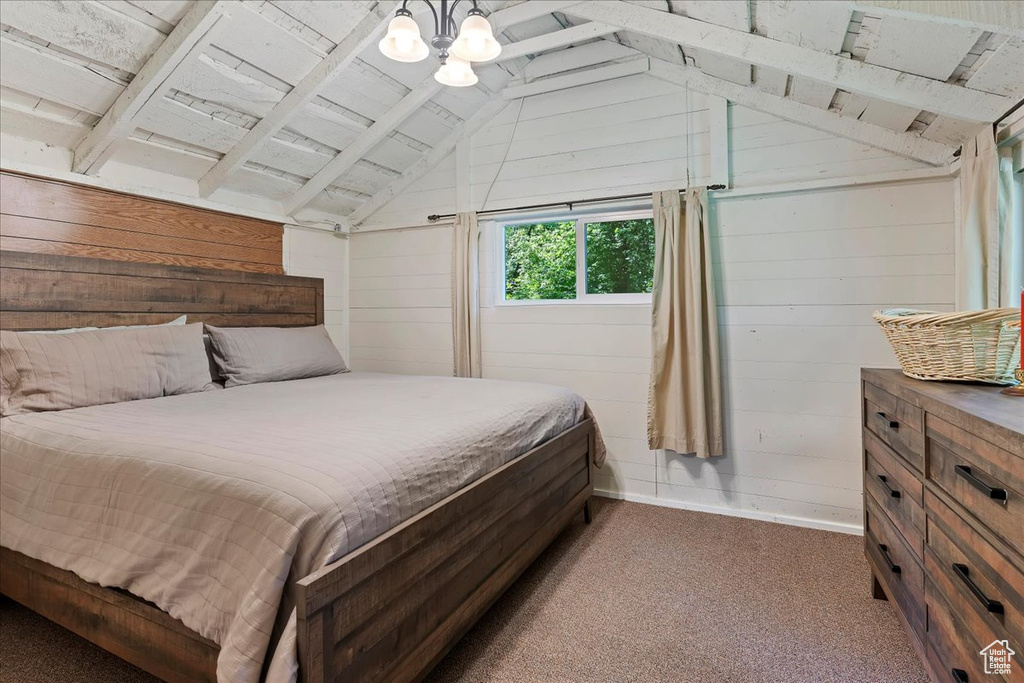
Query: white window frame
<point>582,297</point>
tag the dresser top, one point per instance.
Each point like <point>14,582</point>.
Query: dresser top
<point>1002,414</point>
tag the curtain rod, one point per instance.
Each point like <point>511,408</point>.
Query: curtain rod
<point>434,217</point>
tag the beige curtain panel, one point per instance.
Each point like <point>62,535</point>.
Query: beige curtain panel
<point>990,241</point>
<point>684,406</point>
<point>466,294</point>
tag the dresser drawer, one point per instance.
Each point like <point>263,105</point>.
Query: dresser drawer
<point>984,479</point>
<point>982,583</point>
<point>895,566</point>
<point>895,489</point>
<point>898,423</point>
<point>953,649</point>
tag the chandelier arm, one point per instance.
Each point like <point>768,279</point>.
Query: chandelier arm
<point>437,24</point>
<point>451,9</point>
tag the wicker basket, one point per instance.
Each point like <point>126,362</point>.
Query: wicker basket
<point>972,346</point>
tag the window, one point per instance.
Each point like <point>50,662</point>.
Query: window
<point>600,258</point>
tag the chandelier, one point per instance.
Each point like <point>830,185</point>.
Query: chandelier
<point>457,49</point>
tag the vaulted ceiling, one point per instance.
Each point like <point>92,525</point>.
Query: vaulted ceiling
<point>291,100</point>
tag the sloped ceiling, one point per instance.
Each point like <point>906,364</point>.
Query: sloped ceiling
<point>211,77</point>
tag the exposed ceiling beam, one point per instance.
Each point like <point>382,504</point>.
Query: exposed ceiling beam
<point>591,54</point>
<point>366,141</point>
<point>411,102</point>
<point>595,75</point>
<point>358,39</point>
<point>526,11</point>
<point>463,131</point>
<point>903,144</point>
<point>187,38</point>
<point>842,72</point>
<point>555,40</point>
<point>998,16</point>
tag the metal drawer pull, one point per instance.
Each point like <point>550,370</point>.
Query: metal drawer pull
<point>959,675</point>
<point>894,568</point>
<point>964,573</point>
<point>885,482</point>
<point>893,424</point>
<point>993,493</point>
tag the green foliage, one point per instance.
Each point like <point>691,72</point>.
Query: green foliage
<point>540,261</point>
<point>620,257</point>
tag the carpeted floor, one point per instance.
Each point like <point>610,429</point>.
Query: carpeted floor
<point>642,594</point>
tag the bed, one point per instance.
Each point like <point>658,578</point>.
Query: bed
<point>367,568</point>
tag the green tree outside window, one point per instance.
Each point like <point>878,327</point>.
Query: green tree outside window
<point>540,259</point>
<point>620,257</point>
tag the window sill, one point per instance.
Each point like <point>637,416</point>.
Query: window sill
<point>593,300</point>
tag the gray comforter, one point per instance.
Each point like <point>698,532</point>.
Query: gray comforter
<point>209,504</point>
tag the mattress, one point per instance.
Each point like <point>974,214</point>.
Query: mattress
<point>210,504</point>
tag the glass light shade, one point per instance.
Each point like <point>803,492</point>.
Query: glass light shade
<point>402,42</point>
<point>456,72</point>
<point>476,42</point>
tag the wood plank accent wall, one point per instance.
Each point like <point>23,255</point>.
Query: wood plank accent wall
<point>51,217</point>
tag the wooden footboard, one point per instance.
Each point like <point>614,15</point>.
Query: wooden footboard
<point>134,630</point>
<point>388,611</point>
<point>393,608</point>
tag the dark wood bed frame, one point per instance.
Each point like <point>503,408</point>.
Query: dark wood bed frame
<point>388,611</point>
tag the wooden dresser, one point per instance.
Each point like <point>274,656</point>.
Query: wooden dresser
<point>944,518</point>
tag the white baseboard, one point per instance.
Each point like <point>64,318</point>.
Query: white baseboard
<point>854,529</point>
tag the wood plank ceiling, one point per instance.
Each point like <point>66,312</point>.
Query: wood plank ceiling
<point>320,121</point>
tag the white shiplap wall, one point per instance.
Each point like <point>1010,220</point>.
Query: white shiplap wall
<point>799,275</point>
<point>626,136</point>
<point>309,252</point>
<point>400,282</point>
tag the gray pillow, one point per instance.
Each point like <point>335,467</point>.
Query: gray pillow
<point>211,362</point>
<point>247,355</point>
<point>41,372</point>
<point>180,320</point>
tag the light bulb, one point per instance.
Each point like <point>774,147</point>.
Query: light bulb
<point>456,72</point>
<point>476,42</point>
<point>402,42</point>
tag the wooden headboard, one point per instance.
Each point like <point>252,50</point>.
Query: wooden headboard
<point>52,217</point>
<point>50,292</point>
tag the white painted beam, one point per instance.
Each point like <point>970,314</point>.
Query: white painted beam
<point>903,144</point>
<point>999,16</point>
<point>718,115</point>
<point>858,77</point>
<point>463,131</point>
<point>591,54</point>
<point>187,38</point>
<point>302,94</point>
<point>556,39</point>
<point>348,157</point>
<point>526,11</point>
<point>596,75</point>
<point>887,178</point>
